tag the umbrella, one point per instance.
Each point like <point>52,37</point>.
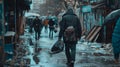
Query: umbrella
<point>31,14</point>
<point>113,16</point>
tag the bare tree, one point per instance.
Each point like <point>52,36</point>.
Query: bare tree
<point>55,6</point>
<point>51,6</point>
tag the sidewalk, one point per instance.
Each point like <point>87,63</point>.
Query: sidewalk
<point>87,55</point>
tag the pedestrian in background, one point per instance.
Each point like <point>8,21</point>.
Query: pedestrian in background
<point>45,22</point>
<point>51,27</point>
<point>114,16</point>
<point>70,22</point>
<point>37,25</point>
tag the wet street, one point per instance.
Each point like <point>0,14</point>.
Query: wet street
<point>88,54</point>
<point>96,20</point>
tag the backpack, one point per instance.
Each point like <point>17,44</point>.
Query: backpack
<point>69,34</point>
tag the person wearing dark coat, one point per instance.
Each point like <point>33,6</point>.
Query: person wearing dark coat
<point>70,19</point>
<point>114,16</point>
<point>51,28</point>
<point>37,25</point>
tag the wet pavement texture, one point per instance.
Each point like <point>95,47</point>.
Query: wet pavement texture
<point>87,54</point>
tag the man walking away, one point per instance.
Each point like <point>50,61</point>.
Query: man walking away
<point>51,28</point>
<point>37,25</point>
<point>70,30</point>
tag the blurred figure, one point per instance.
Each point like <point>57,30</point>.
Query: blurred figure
<point>45,22</point>
<point>51,28</point>
<point>30,25</point>
<point>55,19</point>
<point>70,30</point>
<point>37,25</point>
<point>114,16</point>
<point>116,41</point>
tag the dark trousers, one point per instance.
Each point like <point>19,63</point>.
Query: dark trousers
<point>46,28</point>
<point>51,32</point>
<point>70,51</point>
<point>37,33</point>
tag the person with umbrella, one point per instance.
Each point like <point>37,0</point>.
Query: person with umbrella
<point>114,16</point>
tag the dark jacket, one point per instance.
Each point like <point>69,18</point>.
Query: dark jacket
<point>51,22</point>
<point>70,19</point>
<point>37,24</point>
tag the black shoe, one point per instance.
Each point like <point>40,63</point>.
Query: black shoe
<point>67,63</point>
<point>70,64</point>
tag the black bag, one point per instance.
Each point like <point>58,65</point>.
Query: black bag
<point>55,30</point>
<point>57,47</point>
<point>69,34</point>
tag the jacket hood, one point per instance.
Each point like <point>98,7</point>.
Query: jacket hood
<point>69,12</point>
